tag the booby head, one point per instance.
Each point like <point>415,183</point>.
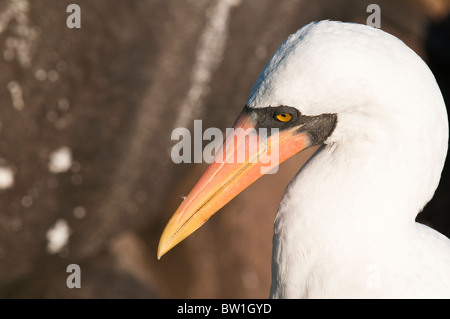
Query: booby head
<point>342,85</point>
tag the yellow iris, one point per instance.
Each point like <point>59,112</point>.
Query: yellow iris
<point>284,117</point>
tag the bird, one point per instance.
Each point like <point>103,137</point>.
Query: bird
<point>345,227</point>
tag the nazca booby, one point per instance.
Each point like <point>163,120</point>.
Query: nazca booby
<point>345,227</point>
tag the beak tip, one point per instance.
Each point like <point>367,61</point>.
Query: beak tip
<point>158,254</point>
<point>161,252</point>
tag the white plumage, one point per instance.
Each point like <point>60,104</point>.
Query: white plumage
<point>346,225</point>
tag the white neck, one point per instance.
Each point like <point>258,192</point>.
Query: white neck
<point>338,211</point>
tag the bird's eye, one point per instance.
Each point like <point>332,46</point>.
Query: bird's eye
<point>284,117</point>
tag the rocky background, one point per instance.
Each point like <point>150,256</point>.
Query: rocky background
<point>86,117</point>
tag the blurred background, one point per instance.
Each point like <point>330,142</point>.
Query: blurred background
<point>86,117</point>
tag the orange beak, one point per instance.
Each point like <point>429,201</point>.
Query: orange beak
<point>244,157</point>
